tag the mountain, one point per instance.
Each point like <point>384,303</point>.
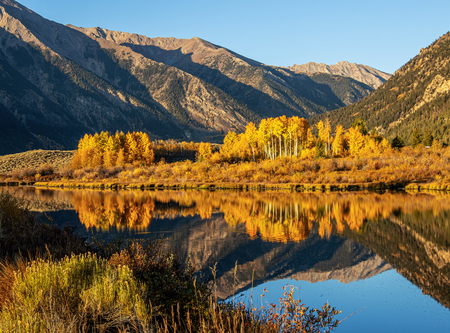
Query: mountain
<point>59,82</point>
<point>362,73</point>
<point>416,96</point>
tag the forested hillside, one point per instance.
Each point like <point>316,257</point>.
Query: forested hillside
<point>416,96</point>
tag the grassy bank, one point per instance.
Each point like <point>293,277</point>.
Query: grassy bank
<point>416,169</point>
<point>51,280</point>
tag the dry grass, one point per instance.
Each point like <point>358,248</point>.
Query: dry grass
<point>34,159</point>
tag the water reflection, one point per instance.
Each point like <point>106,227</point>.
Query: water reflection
<point>303,236</point>
<point>275,217</point>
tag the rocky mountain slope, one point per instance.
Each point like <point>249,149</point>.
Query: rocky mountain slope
<point>417,95</point>
<point>362,73</point>
<point>59,82</point>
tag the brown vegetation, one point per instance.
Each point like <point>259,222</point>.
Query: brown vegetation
<point>281,151</point>
<point>32,160</point>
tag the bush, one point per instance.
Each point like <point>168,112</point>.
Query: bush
<point>80,293</point>
<point>45,169</point>
<point>167,281</point>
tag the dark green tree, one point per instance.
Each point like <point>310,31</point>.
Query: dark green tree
<point>416,137</point>
<point>397,143</point>
<point>320,149</point>
<point>361,125</point>
<point>428,138</point>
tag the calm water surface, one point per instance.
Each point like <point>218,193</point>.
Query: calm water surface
<point>383,259</point>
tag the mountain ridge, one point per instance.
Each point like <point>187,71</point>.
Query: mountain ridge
<point>362,73</point>
<point>60,82</point>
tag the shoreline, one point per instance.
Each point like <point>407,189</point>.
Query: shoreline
<point>293,187</point>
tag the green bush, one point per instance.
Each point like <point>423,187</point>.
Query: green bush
<point>168,283</point>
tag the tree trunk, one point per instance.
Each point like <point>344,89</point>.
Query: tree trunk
<point>279,139</point>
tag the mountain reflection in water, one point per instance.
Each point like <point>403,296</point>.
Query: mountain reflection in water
<point>273,235</point>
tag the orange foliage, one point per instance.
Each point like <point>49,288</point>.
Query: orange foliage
<point>113,150</point>
<point>274,216</point>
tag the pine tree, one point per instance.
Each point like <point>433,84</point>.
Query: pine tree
<point>428,138</point>
<point>320,149</point>
<point>397,143</point>
<point>416,138</point>
<point>361,125</point>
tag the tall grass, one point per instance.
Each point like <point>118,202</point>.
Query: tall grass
<point>77,294</point>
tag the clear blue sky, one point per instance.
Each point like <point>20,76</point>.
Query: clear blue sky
<point>383,34</point>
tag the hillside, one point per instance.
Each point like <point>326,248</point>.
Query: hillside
<point>34,159</point>
<point>416,96</point>
<point>362,73</point>
<point>59,82</point>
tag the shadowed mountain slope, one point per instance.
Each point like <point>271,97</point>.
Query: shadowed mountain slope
<point>59,82</point>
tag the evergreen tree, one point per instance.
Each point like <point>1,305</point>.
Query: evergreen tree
<point>320,149</point>
<point>397,143</point>
<point>416,137</point>
<point>361,125</point>
<point>428,138</point>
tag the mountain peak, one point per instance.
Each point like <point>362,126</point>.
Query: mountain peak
<point>362,73</point>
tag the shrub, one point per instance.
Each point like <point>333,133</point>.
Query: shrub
<point>82,291</point>
<point>45,169</point>
<point>168,283</point>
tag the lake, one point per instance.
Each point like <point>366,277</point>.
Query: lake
<point>383,259</point>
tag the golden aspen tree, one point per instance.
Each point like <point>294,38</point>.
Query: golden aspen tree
<point>271,126</point>
<point>121,159</point>
<point>78,159</point>
<point>227,149</point>
<point>385,145</point>
<point>292,130</point>
<point>285,134</point>
<point>355,141</point>
<point>139,150</point>
<point>85,150</point>
<point>278,129</point>
<point>148,155</point>
<point>338,143</point>
<point>110,153</point>
<point>251,138</point>
<point>324,135</point>
<point>204,151</point>
<point>264,137</point>
<point>310,139</point>
<point>131,148</point>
